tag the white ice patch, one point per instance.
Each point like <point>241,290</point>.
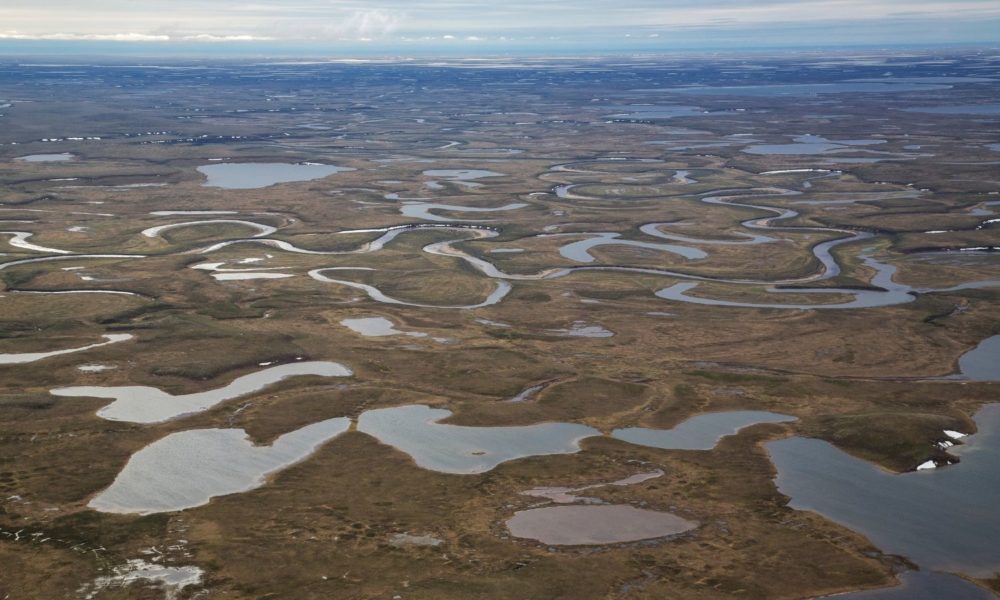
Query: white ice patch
<point>171,579</point>
<point>95,368</point>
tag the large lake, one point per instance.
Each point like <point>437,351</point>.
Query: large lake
<point>700,432</point>
<point>246,176</point>
<point>982,363</point>
<point>945,519</point>
<point>958,109</point>
<point>189,468</point>
<point>805,89</point>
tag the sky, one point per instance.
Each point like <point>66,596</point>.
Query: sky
<point>486,27</point>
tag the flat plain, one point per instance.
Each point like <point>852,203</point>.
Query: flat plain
<point>512,264</point>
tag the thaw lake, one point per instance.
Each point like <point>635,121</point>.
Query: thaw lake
<point>982,363</point>
<point>61,157</point>
<point>461,174</point>
<point>582,329</point>
<point>422,210</point>
<point>809,144</point>
<point>458,449</point>
<point>579,525</point>
<point>944,519</point>
<point>143,404</point>
<point>958,109</point>
<point>924,585</point>
<point>382,327</point>
<point>654,112</point>
<point>189,468</point>
<point>245,176</point>
<point>805,89</point>
<point>701,432</point>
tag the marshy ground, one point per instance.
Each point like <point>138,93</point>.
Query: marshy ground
<point>573,151</point>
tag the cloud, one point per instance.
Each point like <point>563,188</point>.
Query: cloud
<point>207,37</point>
<point>372,23</point>
<point>88,37</point>
<point>129,37</point>
<point>432,21</point>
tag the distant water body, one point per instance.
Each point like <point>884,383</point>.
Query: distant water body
<point>805,89</point>
<point>958,109</point>
<point>246,176</point>
<point>63,157</point>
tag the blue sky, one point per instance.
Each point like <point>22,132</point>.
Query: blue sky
<point>496,26</point>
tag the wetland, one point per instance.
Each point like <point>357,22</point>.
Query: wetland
<point>644,327</point>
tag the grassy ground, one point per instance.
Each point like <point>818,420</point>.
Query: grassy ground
<point>321,528</point>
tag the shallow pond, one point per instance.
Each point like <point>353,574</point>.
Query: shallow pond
<point>375,327</point>
<point>143,404</point>
<point>655,112</point>
<point>382,327</point>
<point>62,157</point>
<point>569,495</point>
<point>808,144</point>
<point>576,525</point>
<point>249,276</point>
<point>701,432</point>
<point>459,449</point>
<point>189,468</point>
<point>582,329</point>
<point>245,176</point>
<point>462,174</point>
<point>422,210</point>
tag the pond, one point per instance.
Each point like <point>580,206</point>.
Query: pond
<point>809,144</point>
<point>61,157</point>
<point>701,432</point>
<point>578,525</point>
<point>422,210</point>
<point>189,468</point>
<point>246,176</point>
<point>382,327</point>
<point>143,404</point>
<point>416,430</point>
